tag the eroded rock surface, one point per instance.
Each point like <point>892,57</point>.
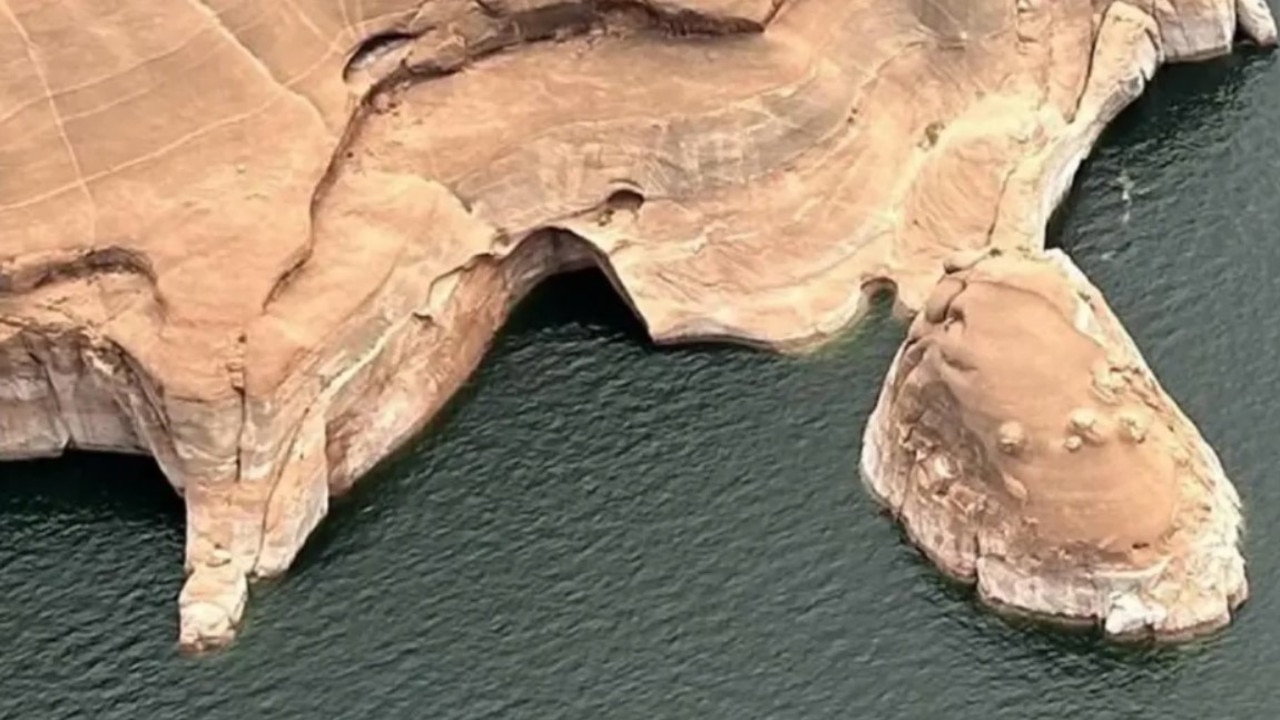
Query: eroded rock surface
<point>1026,446</point>
<point>264,242</point>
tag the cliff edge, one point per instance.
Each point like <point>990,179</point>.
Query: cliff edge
<point>265,242</point>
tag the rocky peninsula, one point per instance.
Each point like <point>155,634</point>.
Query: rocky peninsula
<point>264,243</point>
<point>1026,446</point>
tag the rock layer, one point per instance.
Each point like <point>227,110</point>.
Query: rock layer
<point>264,242</point>
<point>1026,446</point>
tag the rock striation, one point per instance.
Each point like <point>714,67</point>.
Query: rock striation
<point>265,242</point>
<point>1026,447</point>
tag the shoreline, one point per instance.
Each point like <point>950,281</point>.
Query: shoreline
<point>358,336</point>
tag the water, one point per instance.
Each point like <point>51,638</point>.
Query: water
<point>598,529</point>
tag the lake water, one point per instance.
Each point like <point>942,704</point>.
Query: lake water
<point>601,530</point>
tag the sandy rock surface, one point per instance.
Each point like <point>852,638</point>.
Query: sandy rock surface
<point>1026,446</point>
<point>264,242</point>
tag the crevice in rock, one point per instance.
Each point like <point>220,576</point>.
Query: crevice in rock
<point>679,22</point>
<point>17,277</point>
<point>375,48</point>
<point>1000,202</point>
<point>629,200</point>
<point>236,378</point>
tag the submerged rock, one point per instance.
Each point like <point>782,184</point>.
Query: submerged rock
<point>1025,445</point>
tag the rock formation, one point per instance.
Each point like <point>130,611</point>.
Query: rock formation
<point>1026,446</point>
<point>265,241</point>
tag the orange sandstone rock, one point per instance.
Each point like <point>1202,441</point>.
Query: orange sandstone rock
<point>264,242</point>
<point>1091,518</point>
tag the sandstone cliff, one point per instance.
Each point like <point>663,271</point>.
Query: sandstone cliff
<point>1026,446</point>
<point>264,242</point>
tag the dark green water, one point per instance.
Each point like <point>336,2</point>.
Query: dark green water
<point>602,530</point>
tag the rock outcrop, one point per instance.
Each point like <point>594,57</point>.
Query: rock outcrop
<point>1026,446</point>
<point>265,242</point>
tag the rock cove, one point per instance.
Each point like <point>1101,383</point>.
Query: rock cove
<point>265,243</point>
